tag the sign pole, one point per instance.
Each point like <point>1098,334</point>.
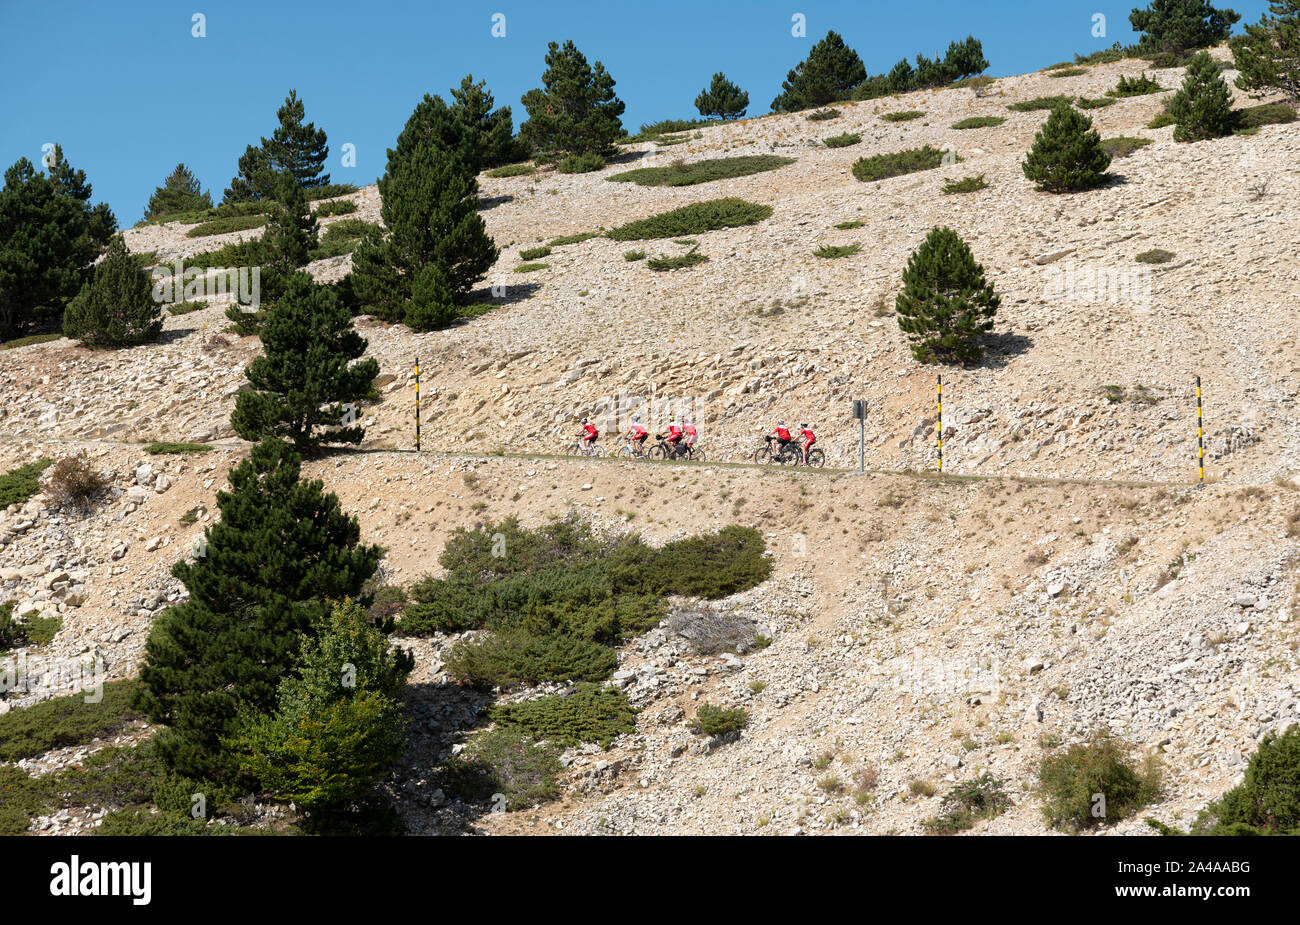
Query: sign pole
<point>417,404</point>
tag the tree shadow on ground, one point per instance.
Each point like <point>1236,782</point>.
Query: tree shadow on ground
<point>491,202</point>
<point>1001,349</point>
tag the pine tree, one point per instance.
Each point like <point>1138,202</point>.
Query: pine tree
<point>116,308</point>
<point>1268,55</point>
<point>180,192</point>
<point>722,98</point>
<point>337,725</point>
<point>49,236</point>
<point>829,73</point>
<point>1178,26</point>
<point>965,58</point>
<point>294,147</point>
<point>430,207</point>
<point>945,303</point>
<point>305,375</point>
<point>1067,154</point>
<point>575,111</point>
<point>267,569</point>
<point>1202,108</point>
<point>488,133</point>
<point>291,231</point>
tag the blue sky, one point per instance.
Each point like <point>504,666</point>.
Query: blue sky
<point>129,91</point>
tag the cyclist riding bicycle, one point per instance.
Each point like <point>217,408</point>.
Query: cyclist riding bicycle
<point>809,438</point>
<point>673,437</point>
<point>781,434</point>
<point>637,434</point>
<point>691,436</point>
<point>589,434</point>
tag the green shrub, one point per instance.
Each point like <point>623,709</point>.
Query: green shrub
<point>633,256</point>
<point>159,449</point>
<point>1253,117</point>
<point>684,174</point>
<point>62,721</point>
<point>1067,72</point>
<point>1162,120</point>
<point>884,166</point>
<point>22,798</point>
<point>40,631</point>
<point>585,713</point>
<point>1095,782</point>
<point>341,237</point>
<point>842,141</point>
<point>832,251</point>
<point>667,127</point>
<point>336,207</point>
<point>514,658</point>
<point>1100,103</point>
<point>676,263</point>
<point>1202,107</point>
<point>531,267</point>
<point>1042,102</point>
<point>29,340</point>
<point>315,193</point>
<point>697,218</point>
<point>846,226</point>
<point>141,821</point>
<point>512,170</point>
<point>712,565</point>
<point>74,482</point>
<point>906,116</point>
<point>176,309</point>
<point>1137,86</point>
<point>978,122</point>
<point>534,253</point>
<point>116,308</point>
<point>1123,146</point>
<point>1067,155</point>
<point>1156,255</point>
<point>1267,801</point>
<point>946,303</point>
<point>822,115</point>
<point>581,163</point>
<point>965,185</point>
<point>1107,55</point>
<point>503,761</point>
<point>983,797</point>
<point>17,485</point>
<point>573,238</point>
<point>718,721</point>
<point>226,225</point>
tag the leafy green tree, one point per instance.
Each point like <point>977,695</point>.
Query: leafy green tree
<point>430,208</point>
<point>265,573</point>
<point>116,308</point>
<point>829,73</point>
<point>722,98</point>
<point>965,58</point>
<point>180,192</point>
<point>1178,26</point>
<point>1267,801</point>
<point>1268,55</point>
<point>337,726</point>
<point>1067,154</point>
<point>297,148</point>
<point>945,303</point>
<point>575,111</point>
<point>1202,108</point>
<point>306,374</point>
<point>49,237</point>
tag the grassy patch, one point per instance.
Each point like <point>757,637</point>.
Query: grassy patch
<point>1155,255</point>
<point>29,340</point>
<point>680,262</point>
<point>1136,86</point>
<point>1163,120</point>
<point>531,267</point>
<point>62,721</point>
<point>978,122</point>
<point>983,797</point>
<point>823,115</point>
<point>965,185</point>
<point>240,254</point>
<point>884,166</point>
<point>336,207</point>
<point>586,713</point>
<point>842,141</point>
<point>341,237</point>
<point>1070,780</point>
<point>161,449</point>
<point>1100,102</point>
<point>832,251</point>
<point>905,116</point>
<point>581,163</point>
<point>632,256</point>
<point>17,485</point>
<point>694,219</point>
<point>845,226</point>
<point>226,225</point>
<point>1067,72</point>
<point>503,761</point>
<point>316,193</point>
<point>535,253</point>
<point>1123,146</point>
<point>34,630</point>
<point>573,238</point>
<point>713,720</point>
<point>689,174</point>
<point>1042,102</point>
<point>184,308</point>
<point>512,170</point>
<point>1253,117</point>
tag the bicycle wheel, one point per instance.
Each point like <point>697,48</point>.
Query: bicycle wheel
<point>573,449</point>
<point>788,457</point>
<point>624,452</point>
<point>762,455</point>
<point>698,456</point>
<point>658,451</point>
<point>816,459</point>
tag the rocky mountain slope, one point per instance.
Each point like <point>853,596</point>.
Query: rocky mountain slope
<point>922,629</point>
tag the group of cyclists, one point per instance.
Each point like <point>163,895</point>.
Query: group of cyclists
<point>680,439</point>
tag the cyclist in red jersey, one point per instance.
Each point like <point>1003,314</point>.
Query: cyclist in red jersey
<point>589,433</point>
<point>638,434</point>
<point>809,438</point>
<point>673,436</point>
<point>781,434</point>
<point>691,435</point>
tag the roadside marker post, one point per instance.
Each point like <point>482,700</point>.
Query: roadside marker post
<point>939,432</point>
<point>417,404</point>
<point>860,412</point>
<point>1200,435</point>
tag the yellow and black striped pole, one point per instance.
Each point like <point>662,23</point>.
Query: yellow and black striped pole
<point>1200,433</point>
<point>939,432</point>
<point>417,404</point>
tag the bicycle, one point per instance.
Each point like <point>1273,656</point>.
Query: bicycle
<point>788,455</point>
<point>664,450</point>
<point>631,450</point>
<point>695,454</point>
<point>582,449</point>
<point>816,459</point>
